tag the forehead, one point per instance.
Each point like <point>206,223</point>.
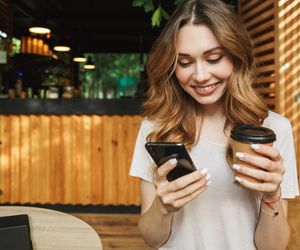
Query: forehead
<point>195,39</point>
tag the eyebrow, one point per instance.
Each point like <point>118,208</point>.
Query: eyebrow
<point>205,52</point>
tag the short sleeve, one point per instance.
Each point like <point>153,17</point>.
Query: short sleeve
<point>285,144</point>
<point>141,164</point>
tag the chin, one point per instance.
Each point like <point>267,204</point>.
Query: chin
<point>209,100</point>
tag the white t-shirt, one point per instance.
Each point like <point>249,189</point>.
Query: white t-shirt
<point>226,214</point>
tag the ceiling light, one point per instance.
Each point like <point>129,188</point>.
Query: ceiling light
<point>89,64</point>
<point>39,30</point>
<point>79,59</point>
<point>3,34</point>
<point>39,26</point>
<point>61,48</point>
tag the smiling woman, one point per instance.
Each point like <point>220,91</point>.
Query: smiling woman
<point>201,71</point>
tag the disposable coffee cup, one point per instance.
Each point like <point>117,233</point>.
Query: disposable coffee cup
<point>242,136</point>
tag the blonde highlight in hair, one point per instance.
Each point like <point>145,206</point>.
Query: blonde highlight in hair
<point>173,110</point>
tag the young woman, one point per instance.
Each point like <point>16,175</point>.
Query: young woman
<point>201,70</point>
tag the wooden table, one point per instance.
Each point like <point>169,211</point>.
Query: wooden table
<point>53,230</point>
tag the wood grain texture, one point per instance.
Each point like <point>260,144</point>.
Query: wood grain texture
<point>275,29</point>
<point>53,230</point>
<point>117,231</point>
<point>68,159</point>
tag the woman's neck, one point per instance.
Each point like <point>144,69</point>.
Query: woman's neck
<point>211,123</point>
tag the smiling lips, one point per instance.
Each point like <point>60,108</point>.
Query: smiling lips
<point>206,90</point>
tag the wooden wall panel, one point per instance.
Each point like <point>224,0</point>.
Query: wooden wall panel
<point>25,153</point>
<point>97,163</point>
<point>288,90</point>
<point>276,24</point>
<point>5,172</point>
<point>259,19</point>
<point>68,159</point>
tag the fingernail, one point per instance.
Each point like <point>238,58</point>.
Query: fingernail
<point>173,161</point>
<point>207,177</point>
<point>255,146</point>
<point>203,171</point>
<point>236,167</point>
<point>208,183</point>
<point>238,179</point>
<point>239,155</point>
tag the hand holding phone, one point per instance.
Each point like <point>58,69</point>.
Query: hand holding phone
<point>161,152</point>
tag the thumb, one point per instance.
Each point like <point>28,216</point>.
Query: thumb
<point>165,168</point>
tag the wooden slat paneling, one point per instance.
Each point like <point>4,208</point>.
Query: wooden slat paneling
<point>25,163</point>
<point>260,30</point>
<point>258,17</point>
<point>68,159</point>
<point>248,12</point>
<point>264,17</point>
<point>110,156</point>
<point>264,38</point>
<point>97,164</point>
<point>5,158</point>
<point>277,55</point>
<point>248,5</point>
<point>264,49</point>
<point>117,231</point>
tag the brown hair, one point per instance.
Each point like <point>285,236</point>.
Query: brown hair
<point>173,110</point>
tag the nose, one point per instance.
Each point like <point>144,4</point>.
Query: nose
<point>201,73</point>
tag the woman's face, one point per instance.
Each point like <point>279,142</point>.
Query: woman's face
<point>203,66</point>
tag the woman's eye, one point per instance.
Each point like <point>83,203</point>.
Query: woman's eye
<point>184,64</point>
<point>215,59</point>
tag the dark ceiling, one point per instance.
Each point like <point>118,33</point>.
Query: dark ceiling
<point>91,25</point>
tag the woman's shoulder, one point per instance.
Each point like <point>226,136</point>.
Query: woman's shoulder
<point>147,125</point>
<point>277,122</point>
<point>276,119</point>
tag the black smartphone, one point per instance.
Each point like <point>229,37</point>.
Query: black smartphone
<point>164,151</point>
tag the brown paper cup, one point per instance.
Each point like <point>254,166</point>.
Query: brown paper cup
<point>242,137</point>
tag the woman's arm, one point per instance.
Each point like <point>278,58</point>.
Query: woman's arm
<point>162,198</point>
<point>272,232</point>
<point>155,225</point>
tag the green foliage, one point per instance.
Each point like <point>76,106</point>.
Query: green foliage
<point>112,66</point>
<point>110,69</point>
<point>159,13</point>
<point>178,2</point>
<point>148,4</point>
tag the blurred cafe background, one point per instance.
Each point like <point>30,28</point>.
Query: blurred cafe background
<point>89,50</point>
<point>71,96</point>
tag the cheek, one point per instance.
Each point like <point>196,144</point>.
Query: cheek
<point>225,70</point>
<point>182,75</point>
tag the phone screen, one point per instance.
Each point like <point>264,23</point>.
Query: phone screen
<point>164,151</point>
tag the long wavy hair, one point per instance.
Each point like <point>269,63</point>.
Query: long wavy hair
<point>172,109</point>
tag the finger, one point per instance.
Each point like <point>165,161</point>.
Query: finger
<point>181,202</point>
<point>257,161</point>
<point>267,151</point>
<point>186,180</point>
<point>165,168</point>
<point>256,186</point>
<point>186,191</point>
<point>258,174</point>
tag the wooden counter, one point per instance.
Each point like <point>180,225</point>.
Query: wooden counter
<point>68,159</point>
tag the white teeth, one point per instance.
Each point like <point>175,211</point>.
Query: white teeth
<point>205,88</point>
